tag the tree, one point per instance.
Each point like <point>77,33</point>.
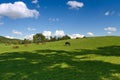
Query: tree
<point>39,37</point>
<point>65,37</point>
<point>26,41</point>
<point>53,38</point>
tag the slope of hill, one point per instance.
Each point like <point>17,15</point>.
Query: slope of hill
<point>7,40</point>
<point>88,43</point>
<point>94,58</point>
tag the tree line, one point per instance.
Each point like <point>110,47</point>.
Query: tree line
<point>37,38</point>
<point>40,38</point>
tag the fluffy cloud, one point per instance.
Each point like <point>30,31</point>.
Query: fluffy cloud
<point>47,34</point>
<point>30,37</point>
<point>17,32</point>
<point>17,10</point>
<point>110,30</point>
<point>53,19</point>
<point>31,29</point>
<point>90,34</point>
<point>74,36</point>
<point>75,4</point>
<point>9,37</point>
<point>107,13</point>
<point>35,1</point>
<point>59,33</point>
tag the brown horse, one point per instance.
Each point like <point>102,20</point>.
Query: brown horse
<point>15,47</point>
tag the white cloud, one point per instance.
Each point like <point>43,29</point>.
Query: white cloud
<point>1,23</point>
<point>74,36</point>
<point>17,10</point>
<point>31,29</point>
<point>59,33</point>
<point>17,32</point>
<point>111,13</point>
<point>35,1</point>
<point>75,4</point>
<point>107,13</point>
<point>30,37</point>
<point>110,30</point>
<point>53,19</point>
<point>47,34</point>
<point>9,37</point>
<point>90,34</point>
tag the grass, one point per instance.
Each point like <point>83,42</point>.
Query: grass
<point>96,58</point>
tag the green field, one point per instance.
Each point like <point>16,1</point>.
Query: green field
<point>96,58</point>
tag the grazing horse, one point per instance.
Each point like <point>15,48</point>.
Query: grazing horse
<point>67,43</point>
<point>15,47</point>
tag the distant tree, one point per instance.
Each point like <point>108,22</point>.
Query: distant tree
<point>65,37</point>
<point>77,37</point>
<point>39,37</point>
<point>84,37</point>
<point>26,41</point>
<point>59,38</point>
<point>53,38</point>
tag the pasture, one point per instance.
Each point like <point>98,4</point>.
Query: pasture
<point>96,58</point>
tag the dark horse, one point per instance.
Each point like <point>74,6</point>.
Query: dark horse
<point>67,43</point>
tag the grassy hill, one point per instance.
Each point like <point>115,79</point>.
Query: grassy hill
<point>96,58</point>
<point>7,40</point>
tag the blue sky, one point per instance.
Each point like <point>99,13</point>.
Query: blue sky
<point>24,18</point>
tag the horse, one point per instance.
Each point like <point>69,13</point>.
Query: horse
<point>67,43</point>
<point>15,47</point>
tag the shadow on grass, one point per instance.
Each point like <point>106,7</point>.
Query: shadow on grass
<point>104,51</point>
<point>55,65</point>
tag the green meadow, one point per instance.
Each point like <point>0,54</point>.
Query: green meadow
<point>94,58</point>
